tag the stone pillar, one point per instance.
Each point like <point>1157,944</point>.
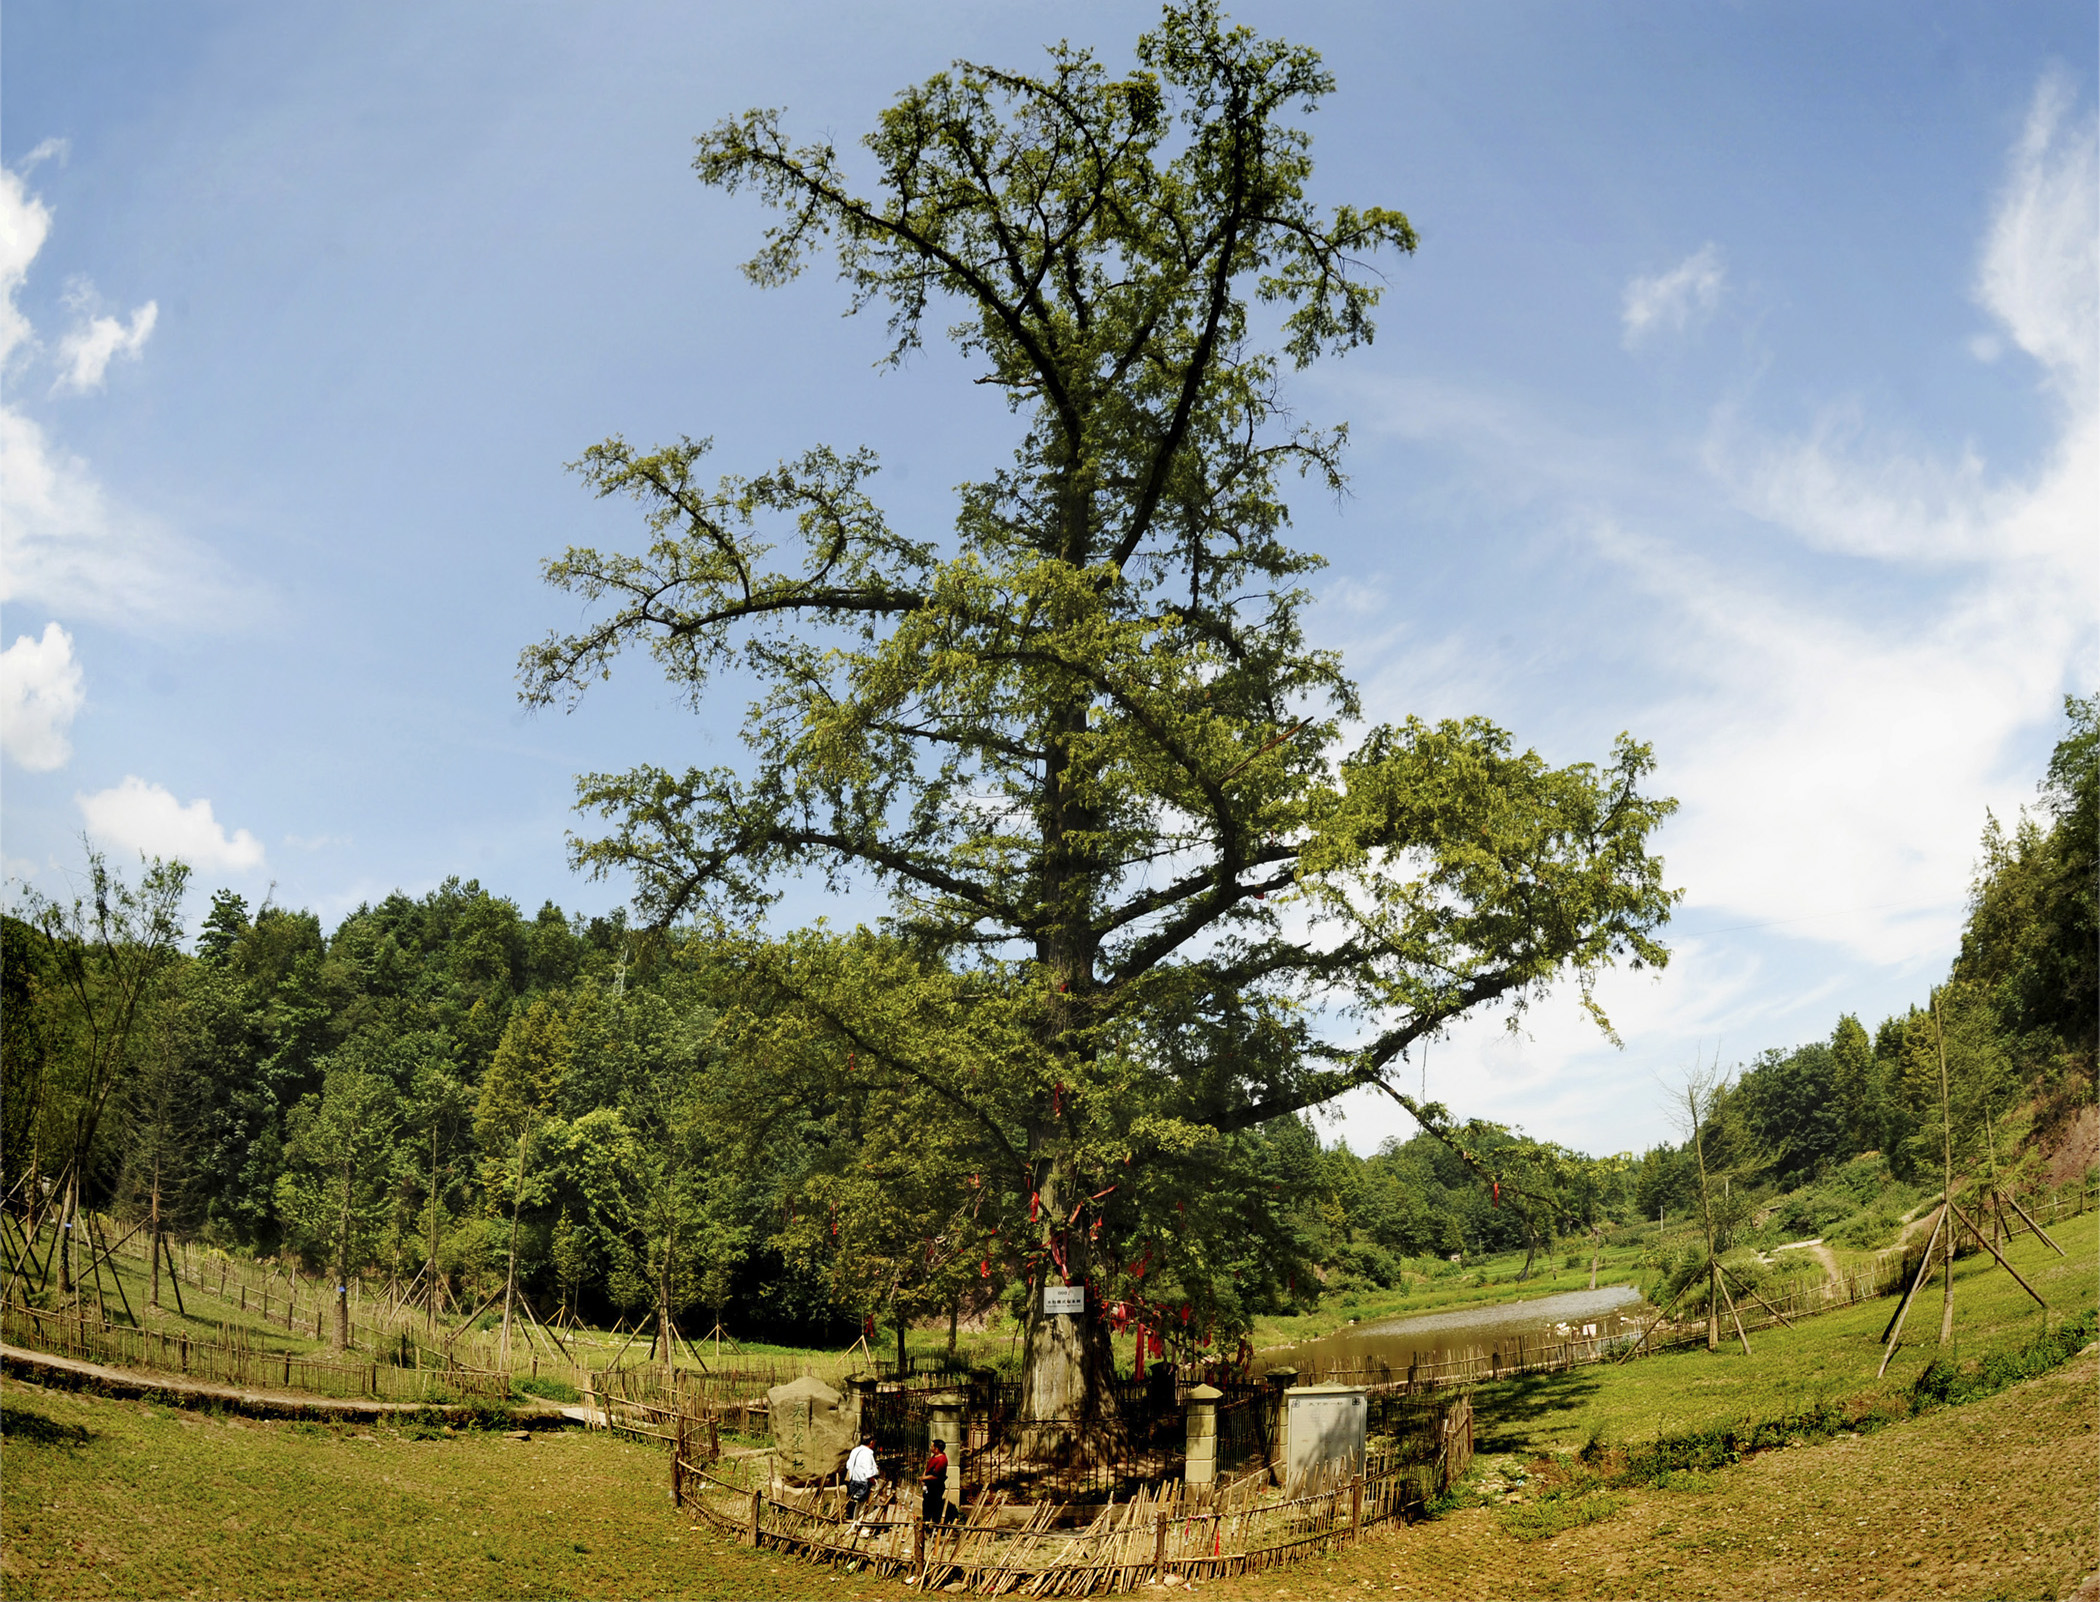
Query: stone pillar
<point>860,1390</point>
<point>945,1422</point>
<point>1202,1455</point>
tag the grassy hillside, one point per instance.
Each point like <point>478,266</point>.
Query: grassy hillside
<point>1829,1358</point>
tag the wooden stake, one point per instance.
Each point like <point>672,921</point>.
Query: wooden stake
<point>174,1278</point>
<point>1732,1313</point>
<point>1752,1294</point>
<point>1895,1330</point>
<point>2037,1228</point>
<point>2002,1263</point>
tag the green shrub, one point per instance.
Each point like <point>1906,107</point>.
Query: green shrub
<point>1944,1383</point>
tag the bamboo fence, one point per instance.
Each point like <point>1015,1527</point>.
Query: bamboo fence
<point>231,1360</point>
<point>1058,1549</point>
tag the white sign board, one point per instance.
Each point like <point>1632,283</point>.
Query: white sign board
<point>1064,1298</point>
<point>1324,1424</point>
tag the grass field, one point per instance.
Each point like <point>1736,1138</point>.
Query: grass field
<point>1992,1499</point>
<point>106,1498</point>
<point>1831,1357</point>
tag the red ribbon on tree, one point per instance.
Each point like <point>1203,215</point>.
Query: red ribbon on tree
<point>1498,1193</point>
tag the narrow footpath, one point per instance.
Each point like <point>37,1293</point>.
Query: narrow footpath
<point>72,1373</point>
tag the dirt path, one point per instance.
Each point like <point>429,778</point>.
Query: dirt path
<point>1821,1253</point>
<point>72,1373</point>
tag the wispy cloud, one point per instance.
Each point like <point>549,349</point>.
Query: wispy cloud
<point>71,546</point>
<point>87,349</point>
<point>137,816</point>
<point>1844,644</point>
<point>1858,747</point>
<point>41,688</point>
<point>1675,301</point>
<point>2041,268</point>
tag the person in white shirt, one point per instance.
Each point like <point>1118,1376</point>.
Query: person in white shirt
<point>861,1475</point>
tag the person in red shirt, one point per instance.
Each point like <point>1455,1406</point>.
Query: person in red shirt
<point>934,1505</point>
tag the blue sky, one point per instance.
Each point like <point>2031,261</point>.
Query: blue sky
<point>1742,394</point>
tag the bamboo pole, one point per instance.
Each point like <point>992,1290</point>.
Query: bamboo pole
<point>1946,1177</point>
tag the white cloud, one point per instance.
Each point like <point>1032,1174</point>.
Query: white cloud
<point>93,343</point>
<point>137,816</point>
<point>69,545</point>
<point>40,691</point>
<point>1852,752</point>
<point>25,223</point>
<point>1844,645</point>
<point>1676,300</point>
<point>2041,267</point>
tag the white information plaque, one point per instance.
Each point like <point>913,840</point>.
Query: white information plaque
<point>1064,1298</point>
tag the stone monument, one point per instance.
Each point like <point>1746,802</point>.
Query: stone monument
<point>811,1432</point>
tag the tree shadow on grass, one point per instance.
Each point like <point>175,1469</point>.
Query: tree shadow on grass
<point>1508,1415</point>
<point>22,1426</point>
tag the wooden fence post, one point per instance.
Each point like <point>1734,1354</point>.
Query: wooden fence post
<point>1356,1509</point>
<point>1159,1546</point>
<point>918,1546</point>
<point>758,1499</point>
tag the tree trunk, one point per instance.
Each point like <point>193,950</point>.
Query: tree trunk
<point>342,1270</point>
<point>510,1268</point>
<point>433,1223</point>
<point>903,1324</point>
<point>66,1216</point>
<point>1946,1179</point>
<point>663,1289</point>
<point>954,1316</point>
<point>1596,1250</point>
<point>1069,1363</point>
<point>1706,1217</point>
<point>153,1231</point>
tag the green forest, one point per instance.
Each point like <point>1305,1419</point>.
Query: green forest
<point>444,1090</point>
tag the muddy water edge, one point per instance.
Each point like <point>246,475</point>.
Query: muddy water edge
<point>1511,1332</point>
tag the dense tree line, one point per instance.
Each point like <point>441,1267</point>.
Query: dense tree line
<point>446,1084</point>
<point>615,1120</point>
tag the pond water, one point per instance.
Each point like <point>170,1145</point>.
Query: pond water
<point>1604,1313</point>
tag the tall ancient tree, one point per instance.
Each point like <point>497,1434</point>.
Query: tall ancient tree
<point>1081,739</point>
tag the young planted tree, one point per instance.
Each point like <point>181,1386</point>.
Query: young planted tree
<point>438,1111</point>
<point>518,1094</point>
<point>104,958</point>
<point>161,1102</point>
<point>1082,740</point>
<point>334,1194</point>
